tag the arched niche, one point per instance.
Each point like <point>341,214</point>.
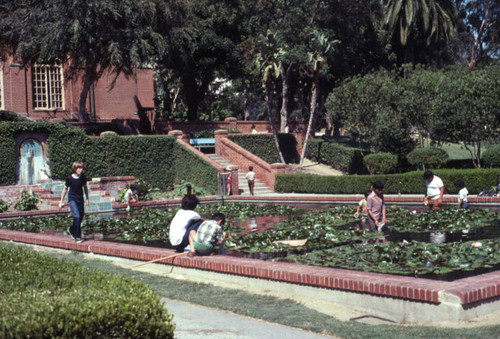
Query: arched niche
<point>31,159</point>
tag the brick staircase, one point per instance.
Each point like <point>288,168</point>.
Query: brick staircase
<point>259,189</point>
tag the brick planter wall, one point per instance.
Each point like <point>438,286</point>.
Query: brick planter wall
<point>458,297</point>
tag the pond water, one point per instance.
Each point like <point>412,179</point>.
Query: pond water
<point>252,226</point>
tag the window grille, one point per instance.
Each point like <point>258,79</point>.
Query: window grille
<point>47,82</point>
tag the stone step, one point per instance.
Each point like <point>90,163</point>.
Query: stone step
<point>259,189</point>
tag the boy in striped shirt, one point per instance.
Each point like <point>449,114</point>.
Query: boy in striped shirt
<point>208,235</point>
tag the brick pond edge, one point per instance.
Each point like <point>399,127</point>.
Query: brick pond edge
<point>468,297</point>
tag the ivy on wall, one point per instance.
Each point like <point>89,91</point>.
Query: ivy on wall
<point>190,167</point>
<point>263,146</point>
<point>158,160</point>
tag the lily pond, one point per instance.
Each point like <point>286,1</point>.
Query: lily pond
<point>445,244</point>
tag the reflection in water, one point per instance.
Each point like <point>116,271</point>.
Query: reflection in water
<point>260,223</point>
<point>438,237</point>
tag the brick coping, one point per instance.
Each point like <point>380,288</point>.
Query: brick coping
<point>319,199</point>
<point>467,291</point>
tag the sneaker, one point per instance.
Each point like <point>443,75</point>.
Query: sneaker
<point>187,248</point>
<point>78,240</point>
<point>71,234</point>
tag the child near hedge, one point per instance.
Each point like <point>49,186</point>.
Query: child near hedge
<point>131,196</point>
<point>462,194</point>
<point>362,206</point>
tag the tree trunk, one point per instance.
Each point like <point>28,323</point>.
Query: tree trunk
<point>284,93</point>
<point>246,111</point>
<point>477,41</point>
<point>269,91</point>
<point>82,103</point>
<point>314,100</point>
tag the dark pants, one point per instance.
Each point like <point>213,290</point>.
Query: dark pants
<point>251,184</point>
<point>193,226</point>
<point>77,211</point>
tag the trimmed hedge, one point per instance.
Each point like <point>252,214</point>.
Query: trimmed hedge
<point>158,160</point>
<point>491,156</point>
<point>379,163</point>
<point>407,183</point>
<point>191,168</point>
<point>41,296</point>
<point>427,157</point>
<point>343,158</point>
<point>263,146</point>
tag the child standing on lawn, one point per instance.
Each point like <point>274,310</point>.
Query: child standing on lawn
<point>462,194</point>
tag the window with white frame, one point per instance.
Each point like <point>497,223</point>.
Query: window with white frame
<point>47,82</point>
<point>2,106</point>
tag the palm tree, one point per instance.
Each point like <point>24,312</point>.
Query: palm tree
<point>413,19</point>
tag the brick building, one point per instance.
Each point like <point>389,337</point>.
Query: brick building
<point>42,92</point>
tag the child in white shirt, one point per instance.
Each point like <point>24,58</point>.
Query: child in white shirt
<point>462,194</point>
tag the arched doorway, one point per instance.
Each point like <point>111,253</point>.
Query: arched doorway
<point>31,162</point>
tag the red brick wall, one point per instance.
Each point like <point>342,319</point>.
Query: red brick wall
<point>110,103</point>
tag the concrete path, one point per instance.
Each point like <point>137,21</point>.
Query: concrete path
<point>194,321</point>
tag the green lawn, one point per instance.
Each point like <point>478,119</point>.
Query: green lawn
<point>455,151</point>
<point>286,312</point>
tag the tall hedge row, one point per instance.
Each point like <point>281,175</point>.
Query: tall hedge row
<point>158,160</point>
<point>406,183</point>
<point>45,297</point>
<point>263,146</point>
<point>343,158</point>
<point>190,167</point>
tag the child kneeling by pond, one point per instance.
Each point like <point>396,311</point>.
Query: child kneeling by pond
<point>209,235</point>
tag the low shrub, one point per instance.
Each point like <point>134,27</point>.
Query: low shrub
<point>41,296</point>
<point>427,157</point>
<point>4,205</point>
<point>10,116</point>
<point>380,163</point>
<point>343,158</point>
<point>407,183</point>
<point>491,156</point>
<point>27,201</point>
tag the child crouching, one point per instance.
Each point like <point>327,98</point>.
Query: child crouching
<point>209,235</point>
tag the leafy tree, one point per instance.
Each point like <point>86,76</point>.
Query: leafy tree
<point>369,105</point>
<point>202,47</point>
<point>482,20</point>
<point>458,105</point>
<point>413,22</point>
<point>267,62</point>
<point>92,37</point>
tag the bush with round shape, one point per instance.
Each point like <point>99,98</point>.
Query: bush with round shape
<point>46,297</point>
<point>491,157</point>
<point>427,157</point>
<point>380,163</point>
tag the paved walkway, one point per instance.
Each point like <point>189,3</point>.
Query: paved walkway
<point>194,321</point>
